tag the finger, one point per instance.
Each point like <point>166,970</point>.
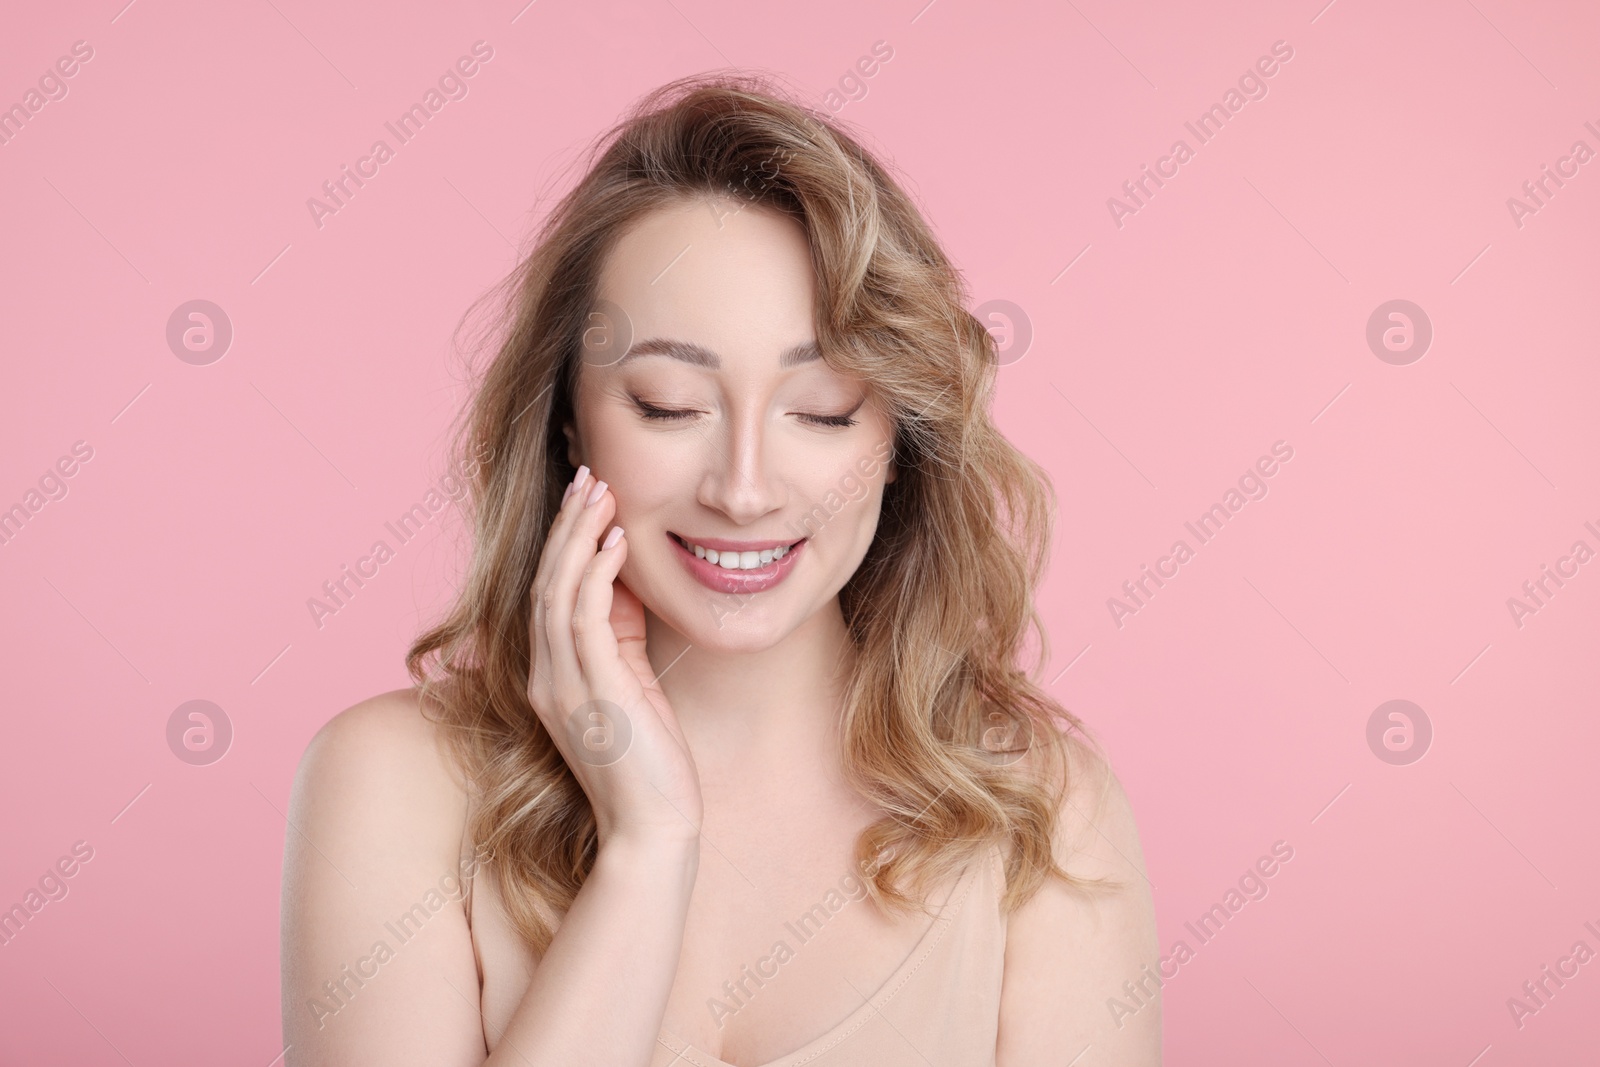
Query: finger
<point>540,683</point>
<point>593,638</point>
<point>541,679</point>
<point>561,593</point>
<point>561,527</point>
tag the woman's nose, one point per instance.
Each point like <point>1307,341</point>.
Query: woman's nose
<point>741,479</point>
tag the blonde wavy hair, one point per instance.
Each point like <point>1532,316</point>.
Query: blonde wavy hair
<point>943,730</point>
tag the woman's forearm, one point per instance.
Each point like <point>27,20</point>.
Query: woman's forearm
<point>599,993</point>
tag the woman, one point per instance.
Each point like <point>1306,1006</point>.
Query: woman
<point>772,789</point>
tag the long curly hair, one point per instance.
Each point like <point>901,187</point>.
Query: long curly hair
<point>942,728</point>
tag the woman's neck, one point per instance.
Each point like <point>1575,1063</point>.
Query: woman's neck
<point>747,713</point>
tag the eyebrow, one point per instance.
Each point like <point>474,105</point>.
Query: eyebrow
<point>701,356</point>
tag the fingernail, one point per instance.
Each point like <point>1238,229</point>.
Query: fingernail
<point>566,492</point>
<point>577,479</point>
<point>611,538</point>
<point>596,493</point>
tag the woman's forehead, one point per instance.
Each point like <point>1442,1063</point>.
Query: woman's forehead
<point>690,288</point>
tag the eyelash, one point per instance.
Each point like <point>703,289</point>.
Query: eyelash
<point>672,415</point>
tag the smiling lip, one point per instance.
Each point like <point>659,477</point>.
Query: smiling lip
<point>722,544</point>
<point>723,580</point>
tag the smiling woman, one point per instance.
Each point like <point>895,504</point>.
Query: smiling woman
<point>780,642</point>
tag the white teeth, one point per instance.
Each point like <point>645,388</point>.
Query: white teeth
<point>740,561</point>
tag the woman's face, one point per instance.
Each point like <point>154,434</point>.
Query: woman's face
<point>706,309</point>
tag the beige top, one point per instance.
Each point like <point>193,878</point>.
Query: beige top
<point>940,1008</point>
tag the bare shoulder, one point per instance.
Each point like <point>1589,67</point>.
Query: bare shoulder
<point>1096,835</point>
<point>1070,949</point>
<point>373,924</point>
<point>384,741</point>
<point>381,770</point>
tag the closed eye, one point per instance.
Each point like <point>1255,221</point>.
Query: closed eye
<point>831,420</point>
<point>650,411</point>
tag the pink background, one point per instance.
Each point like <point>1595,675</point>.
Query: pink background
<point>1227,314</point>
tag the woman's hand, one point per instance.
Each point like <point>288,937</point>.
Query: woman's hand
<point>593,686</point>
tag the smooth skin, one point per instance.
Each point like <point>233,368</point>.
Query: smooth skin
<point>730,779</point>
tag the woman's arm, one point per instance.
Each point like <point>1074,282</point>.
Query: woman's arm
<point>378,963</point>
<point>1068,952</point>
<point>375,969</point>
<point>598,995</point>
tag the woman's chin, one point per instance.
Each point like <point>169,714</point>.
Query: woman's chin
<point>717,623</point>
